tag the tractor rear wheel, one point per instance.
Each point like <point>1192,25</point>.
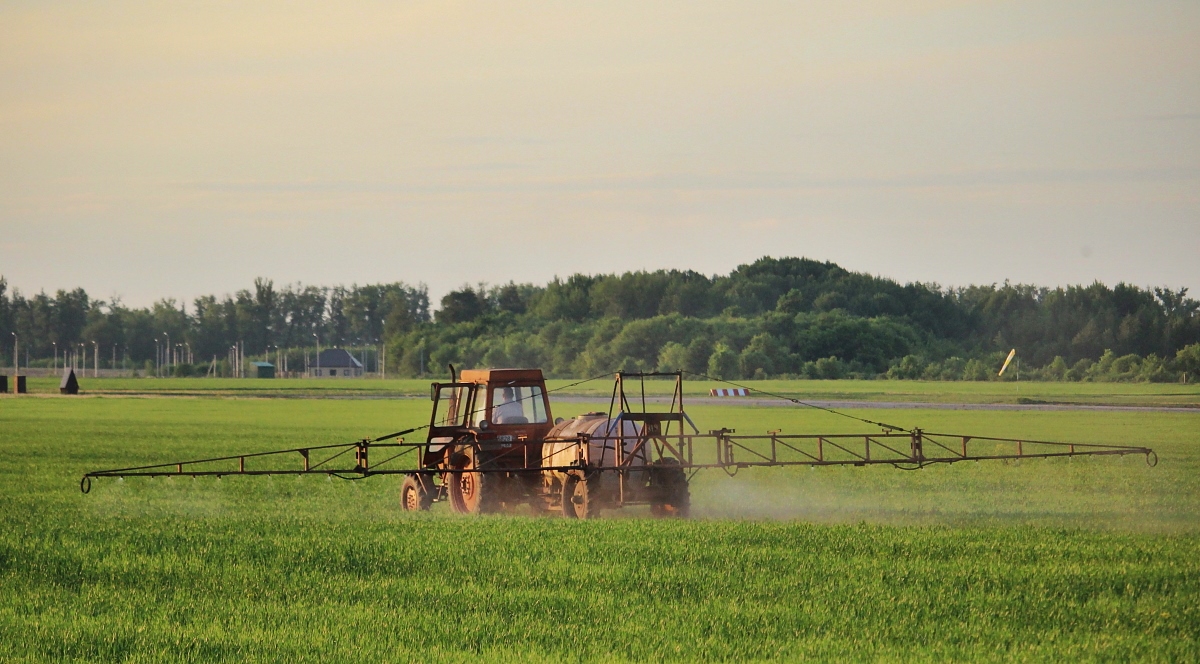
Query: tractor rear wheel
<point>414,495</point>
<point>576,499</point>
<point>471,492</point>
<point>670,496</point>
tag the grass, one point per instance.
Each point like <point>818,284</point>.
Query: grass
<point>440,589</point>
<point>1051,560</point>
<point>1120,394</point>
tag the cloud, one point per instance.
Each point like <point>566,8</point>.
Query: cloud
<point>759,224</point>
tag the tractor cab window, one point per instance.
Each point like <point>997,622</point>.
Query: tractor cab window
<point>478,407</point>
<point>459,405</point>
<point>448,407</point>
<point>518,404</point>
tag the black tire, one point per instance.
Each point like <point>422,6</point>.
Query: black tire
<point>414,494</point>
<point>669,492</point>
<point>577,501</point>
<point>471,492</point>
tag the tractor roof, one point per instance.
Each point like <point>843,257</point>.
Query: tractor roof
<point>500,375</point>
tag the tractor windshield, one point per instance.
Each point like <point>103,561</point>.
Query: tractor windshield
<point>450,405</point>
<point>478,406</point>
<point>519,404</point>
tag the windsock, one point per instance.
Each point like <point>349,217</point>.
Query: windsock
<point>1011,354</point>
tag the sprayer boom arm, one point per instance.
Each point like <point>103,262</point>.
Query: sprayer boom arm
<point>716,449</point>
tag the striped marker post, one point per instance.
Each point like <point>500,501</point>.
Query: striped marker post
<point>730,392</point>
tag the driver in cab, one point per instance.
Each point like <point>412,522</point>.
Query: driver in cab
<point>508,411</point>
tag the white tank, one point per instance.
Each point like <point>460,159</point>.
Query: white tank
<point>604,436</point>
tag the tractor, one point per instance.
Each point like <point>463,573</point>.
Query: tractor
<point>494,443</point>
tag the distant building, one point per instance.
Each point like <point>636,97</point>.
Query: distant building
<point>69,383</point>
<point>262,369</point>
<point>336,363</point>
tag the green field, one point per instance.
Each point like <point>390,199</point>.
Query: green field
<point>1121,394</point>
<point>1054,560</point>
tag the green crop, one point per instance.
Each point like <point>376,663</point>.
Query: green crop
<point>1048,560</point>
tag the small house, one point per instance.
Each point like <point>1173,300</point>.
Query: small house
<point>69,383</point>
<point>336,363</point>
<point>262,369</point>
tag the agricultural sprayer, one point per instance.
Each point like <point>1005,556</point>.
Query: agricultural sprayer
<point>492,444</point>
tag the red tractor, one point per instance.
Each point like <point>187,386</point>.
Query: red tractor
<point>495,444</point>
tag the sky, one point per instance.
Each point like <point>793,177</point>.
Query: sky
<point>152,149</point>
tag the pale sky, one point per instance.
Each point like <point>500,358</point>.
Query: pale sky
<point>172,149</point>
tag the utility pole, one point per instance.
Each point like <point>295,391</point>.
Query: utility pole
<point>95,359</point>
<point>16,361</point>
<point>55,343</point>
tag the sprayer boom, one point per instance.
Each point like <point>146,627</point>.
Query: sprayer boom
<point>491,444</point>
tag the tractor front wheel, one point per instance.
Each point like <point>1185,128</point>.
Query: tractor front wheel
<point>414,494</point>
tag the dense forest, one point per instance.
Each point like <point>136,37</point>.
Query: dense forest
<point>775,317</point>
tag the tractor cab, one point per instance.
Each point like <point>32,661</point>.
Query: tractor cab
<point>503,410</point>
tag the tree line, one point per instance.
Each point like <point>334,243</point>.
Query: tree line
<point>265,318</point>
<point>774,317</point>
